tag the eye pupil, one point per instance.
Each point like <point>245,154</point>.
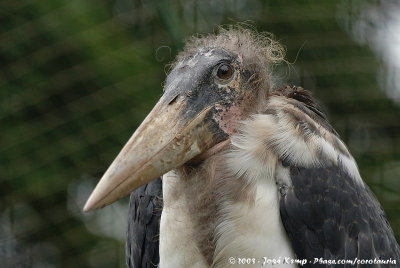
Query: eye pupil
<point>224,72</point>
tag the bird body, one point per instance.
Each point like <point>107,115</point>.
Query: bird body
<point>142,243</point>
<point>251,171</point>
<point>231,204</point>
<point>199,231</point>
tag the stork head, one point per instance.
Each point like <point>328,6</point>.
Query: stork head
<point>214,83</point>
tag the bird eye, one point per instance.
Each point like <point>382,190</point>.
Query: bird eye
<point>224,72</point>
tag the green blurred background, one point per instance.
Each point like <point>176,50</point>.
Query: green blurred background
<point>77,77</point>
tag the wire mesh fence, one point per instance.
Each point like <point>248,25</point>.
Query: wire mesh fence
<point>77,78</point>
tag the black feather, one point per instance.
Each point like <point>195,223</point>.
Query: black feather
<point>337,218</point>
<point>142,245</point>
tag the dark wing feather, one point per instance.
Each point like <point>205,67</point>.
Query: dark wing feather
<point>327,214</point>
<point>142,243</point>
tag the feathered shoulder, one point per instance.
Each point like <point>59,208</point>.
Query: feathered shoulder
<point>303,100</point>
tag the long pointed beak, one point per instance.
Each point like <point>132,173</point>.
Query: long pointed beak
<point>165,140</point>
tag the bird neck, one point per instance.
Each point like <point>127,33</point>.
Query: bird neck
<point>218,208</point>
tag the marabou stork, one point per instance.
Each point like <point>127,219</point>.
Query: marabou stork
<point>249,170</point>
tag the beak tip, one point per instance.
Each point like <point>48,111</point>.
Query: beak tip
<point>86,208</point>
<point>90,204</point>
